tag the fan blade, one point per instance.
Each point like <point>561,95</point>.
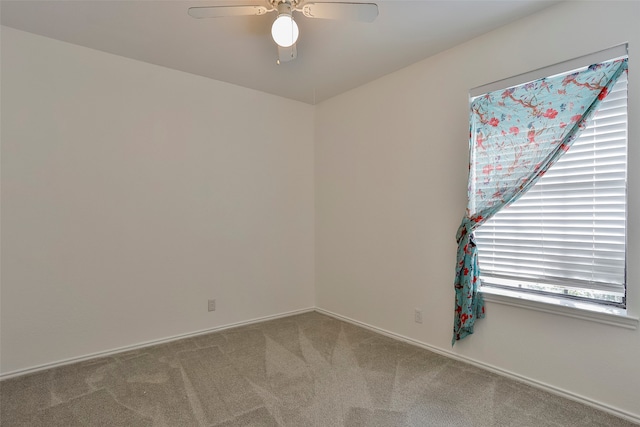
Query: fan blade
<point>363,12</point>
<point>224,11</point>
<point>286,54</point>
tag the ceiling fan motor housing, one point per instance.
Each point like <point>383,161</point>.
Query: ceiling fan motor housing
<point>276,4</point>
<point>284,7</point>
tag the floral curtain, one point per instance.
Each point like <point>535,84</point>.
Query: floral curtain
<point>515,136</point>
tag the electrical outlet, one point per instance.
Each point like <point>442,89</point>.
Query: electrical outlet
<point>212,305</point>
<point>418,316</point>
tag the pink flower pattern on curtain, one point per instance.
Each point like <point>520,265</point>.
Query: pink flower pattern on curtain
<point>515,136</point>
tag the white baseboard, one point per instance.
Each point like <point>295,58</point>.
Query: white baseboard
<point>546,387</point>
<point>111,352</point>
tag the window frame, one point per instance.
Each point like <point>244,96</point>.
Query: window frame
<point>587,310</point>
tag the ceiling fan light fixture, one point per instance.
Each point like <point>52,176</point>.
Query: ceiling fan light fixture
<point>284,30</point>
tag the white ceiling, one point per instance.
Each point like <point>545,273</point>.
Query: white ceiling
<point>333,56</point>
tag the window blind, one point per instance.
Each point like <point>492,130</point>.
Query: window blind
<point>567,234</point>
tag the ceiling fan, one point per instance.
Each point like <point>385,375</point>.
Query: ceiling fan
<point>284,29</point>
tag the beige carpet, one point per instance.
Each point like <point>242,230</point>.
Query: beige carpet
<point>304,370</point>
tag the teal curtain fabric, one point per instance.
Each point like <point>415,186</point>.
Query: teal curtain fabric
<point>515,136</point>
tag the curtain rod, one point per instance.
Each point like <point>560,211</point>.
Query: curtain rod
<point>558,68</point>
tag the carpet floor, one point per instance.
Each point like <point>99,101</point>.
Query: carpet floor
<point>303,370</point>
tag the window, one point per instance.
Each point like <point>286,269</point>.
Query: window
<point>566,236</point>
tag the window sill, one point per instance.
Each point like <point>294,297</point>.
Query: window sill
<point>576,309</point>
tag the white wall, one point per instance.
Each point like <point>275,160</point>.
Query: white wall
<point>391,170</point>
<point>132,193</point>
